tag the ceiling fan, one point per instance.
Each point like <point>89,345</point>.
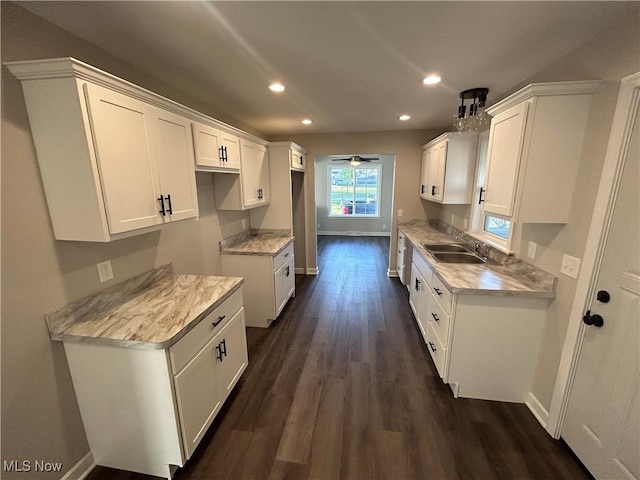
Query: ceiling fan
<point>355,160</point>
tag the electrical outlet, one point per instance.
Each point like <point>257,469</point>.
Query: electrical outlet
<point>570,266</point>
<point>531,252</point>
<point>384,227</point>
<point>105,271</point>
<point>399,212</point>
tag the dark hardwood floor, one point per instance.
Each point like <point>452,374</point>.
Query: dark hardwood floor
<point>342,386</point>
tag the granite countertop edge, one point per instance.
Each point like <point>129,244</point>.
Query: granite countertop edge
<point>533,290</point>
<point>258,243</point>
<point>123,294</point>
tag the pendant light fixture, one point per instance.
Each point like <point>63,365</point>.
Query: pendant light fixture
<point>476,118</point>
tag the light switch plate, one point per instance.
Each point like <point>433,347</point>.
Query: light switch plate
<point>570,266</point>
<point>531,252</point>
<point>105,271</point>
<point>399,212</point>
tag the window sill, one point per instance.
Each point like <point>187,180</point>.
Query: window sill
<point>492,242</point>
<point>354,216</point>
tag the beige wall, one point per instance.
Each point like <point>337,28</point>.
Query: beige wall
<point>610,57</point>
<point>40,418</point>
<point>407,148</point>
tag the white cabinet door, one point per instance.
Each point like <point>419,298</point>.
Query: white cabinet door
<point>297,160</point>
<point>439,160</point>
<point>231,145</point>
<point>174,157</point>
<point>506,139</point>
<point>207,146</point>
<point>284,279</point>
<point>197,395</point>
<point>231,351</point>
<point>425,191</point>
<point>414,290</point>
<point>255,174</point>
<point>128,172</point>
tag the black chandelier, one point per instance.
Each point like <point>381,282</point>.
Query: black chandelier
<point>476,118</point>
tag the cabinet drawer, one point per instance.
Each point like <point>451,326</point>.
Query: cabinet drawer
<point>440,321</point>
<point>401,239</point>
<point>192,342</point>
<point>282,257</point>
<point>436,349</point>
<point>441,293</point>
<point>422,266</point>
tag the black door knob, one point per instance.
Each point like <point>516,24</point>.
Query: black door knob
<point>603,296</point>
<point>595,320</point>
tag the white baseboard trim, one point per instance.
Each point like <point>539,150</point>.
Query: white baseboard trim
<point>300,271</point>
<point>81,469</point>
<point>392,273</point>
<point>313,271</point>
<point>356,234</point>
<point>541,413</point>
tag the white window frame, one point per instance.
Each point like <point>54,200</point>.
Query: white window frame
<point>362,166</point>
<point>476,223</point>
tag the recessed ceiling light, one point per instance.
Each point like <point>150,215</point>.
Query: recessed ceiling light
<point>431,79</point>
<point>404,118</point>
<point>306,121</point>
<point>276,87</point>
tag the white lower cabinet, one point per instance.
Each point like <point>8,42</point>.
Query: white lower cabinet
<point>269,283</point>
<point>401,258</point>
<point>146,410</point>
<point>483,346</point>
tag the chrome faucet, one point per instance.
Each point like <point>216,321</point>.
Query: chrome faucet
<point>481,250</point>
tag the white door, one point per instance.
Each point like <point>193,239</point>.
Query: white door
<point>231,145</point>
<point>175,158</point>
<point>128,173</point>
<point>506,141</point>
<point>197,395</point>
<point>232,353</point>
<point>602,423</point>
<point>207,146</point>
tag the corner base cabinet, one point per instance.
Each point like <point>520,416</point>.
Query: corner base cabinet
<point>483,346</point>
<point>269,283</point>
<point>146,410</point>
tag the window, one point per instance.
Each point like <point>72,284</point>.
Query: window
<point>488,228</point>
<point>354,191</point>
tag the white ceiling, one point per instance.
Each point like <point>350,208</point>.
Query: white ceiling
<point>349,66</point>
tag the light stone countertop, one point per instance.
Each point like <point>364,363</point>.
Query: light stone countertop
<point>509,276</point>
<point>257,242</point>
<point>151,311</point>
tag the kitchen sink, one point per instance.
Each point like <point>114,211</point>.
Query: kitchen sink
<point>443,247</point>
<point>455,257</point>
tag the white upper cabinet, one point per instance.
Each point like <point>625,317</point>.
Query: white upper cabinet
<point>448,165</point>
<point>251,188</point>
<point>298,159</point>
<point>507,138</point>
<point>215,150</point>
<point>535,146</point>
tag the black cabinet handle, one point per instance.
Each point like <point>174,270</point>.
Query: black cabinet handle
<point>169,209</point>
<point>219,354</point>
<point>433,347</point>
<point>226,154</point>
<point>481,197</point>
<point>162,211</point>
<point>223,347</point>
<point>435,317</point>
<point>417,284</point>
<point>300,159</point>
<point>220,319</point>
<point>422,188</point>
<point>433,190</point>
<point>221,151</point>
<point>288,270</point>
<point>437,290</point>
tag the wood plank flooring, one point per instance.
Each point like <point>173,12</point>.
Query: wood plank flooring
<point>341,386</point>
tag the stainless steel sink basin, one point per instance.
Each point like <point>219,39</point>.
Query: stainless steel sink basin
<point>443,247</point>
<point>449,257</point>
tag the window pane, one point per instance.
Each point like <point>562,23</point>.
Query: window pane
<point>353,190</point>
<point>497,226</point>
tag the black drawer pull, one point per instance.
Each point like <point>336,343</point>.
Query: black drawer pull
<point>433,347</point>
<point>162,211</point>
<point>170,210</point>
<point>220,319</point>
<point>435,317</point>
<point>437,290</point>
